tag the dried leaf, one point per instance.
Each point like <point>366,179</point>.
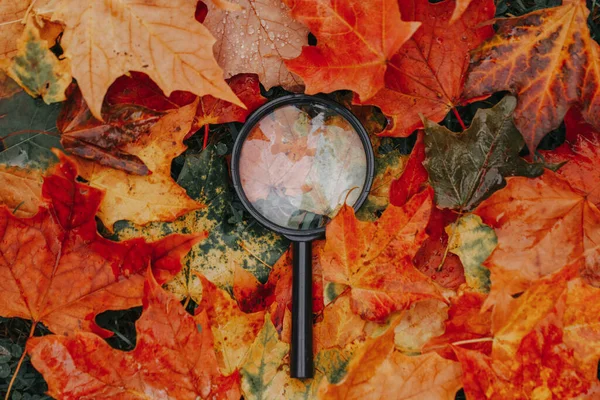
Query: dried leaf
<point>426,376</point>
<point>234,331</point>
<point>155,197</point>
<point>164,41</point>
<point>549,60</point>
<point>426,75</point>
<point>12,25</point>
<point>466,168</point>
<point>419,324</point>
<point>542,225</point>
<point>355,41</point>
<point>57,270</point>
<point>257,39</point>
<point>173,358</point>
<point>374,260</point>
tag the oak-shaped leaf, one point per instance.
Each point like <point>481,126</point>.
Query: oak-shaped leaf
<point>153,197</point>
<point>234,239</point>
<point>105,40</point>
<point>355,41</point>
<point>56,269</point>
<point>426,75</point>
<point>257,39</point>
<point>548,59</point>
<point>369,372</point>
<point>375,259</point>
<point>173,358</point>
<point>466,168</point>
<point>542,225</point>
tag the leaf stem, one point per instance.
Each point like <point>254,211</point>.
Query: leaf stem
<point>14,377</point>
<point>205,142</point>
<point>460,121</point>
<point>480,340</point>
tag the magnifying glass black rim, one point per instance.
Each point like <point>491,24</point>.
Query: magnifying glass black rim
<point>298,234</point>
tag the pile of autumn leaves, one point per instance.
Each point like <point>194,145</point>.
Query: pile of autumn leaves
<point>465,280</point>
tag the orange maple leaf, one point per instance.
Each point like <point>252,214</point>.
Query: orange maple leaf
<point>549,60</point>
<point>375,259</point>
<point>356,40</point>
<point>174,358</point>
<point>542,225</point>
<point>369,375</point>
<point>57,269</point>
<point>426,75</point>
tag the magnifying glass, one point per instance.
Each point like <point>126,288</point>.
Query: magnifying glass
<point>295,162</point>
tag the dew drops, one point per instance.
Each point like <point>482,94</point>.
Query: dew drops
<point>463,38</point>
<point>250,31</point>
<point>271,35</point>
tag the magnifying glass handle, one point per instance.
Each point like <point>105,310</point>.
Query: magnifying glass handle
<point>301,358</point>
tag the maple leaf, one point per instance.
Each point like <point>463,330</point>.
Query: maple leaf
<point>534,351</point>
<point>164,41</point>
<point>374,260</point>
<point>426,75</point>
<point>101,141</point>
<point>257,39</point>
<point>234,331</point>
<point>34,66</point>
<point>425,376</point>
<point>56,269</point>
<point>142,199</point>
<point>173,358</point>
<point>549,60</point>
<point>339,326</point>
<point>355,42</point>
<point>414,176</point>
<point>21,190</point>
<point>232,240</point>
<point>473,242</point>
<point>542,225</point>
<point>466,322</point>
<point>466,168</point>
<point>581,155</point>
<point>139,89</point>
<point>12,15</point>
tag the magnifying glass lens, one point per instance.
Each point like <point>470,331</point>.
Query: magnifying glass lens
<point>300,163</point>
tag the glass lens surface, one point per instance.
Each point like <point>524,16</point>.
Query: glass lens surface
<point>300,163</point>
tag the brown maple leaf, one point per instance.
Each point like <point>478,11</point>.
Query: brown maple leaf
<point>155,197</point>
<point>542,225</point>
<point>56,269</point>
<point>106,39</point>
<point>375,260</point>
<point>425,76</point>
<point>355,41</point>
<point>173,358</point>
<point>549,60</point>
<point>257,39</point>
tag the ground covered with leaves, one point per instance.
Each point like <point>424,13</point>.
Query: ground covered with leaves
<point>129,268</point>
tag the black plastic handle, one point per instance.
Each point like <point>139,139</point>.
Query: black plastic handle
<point>301,358</point>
